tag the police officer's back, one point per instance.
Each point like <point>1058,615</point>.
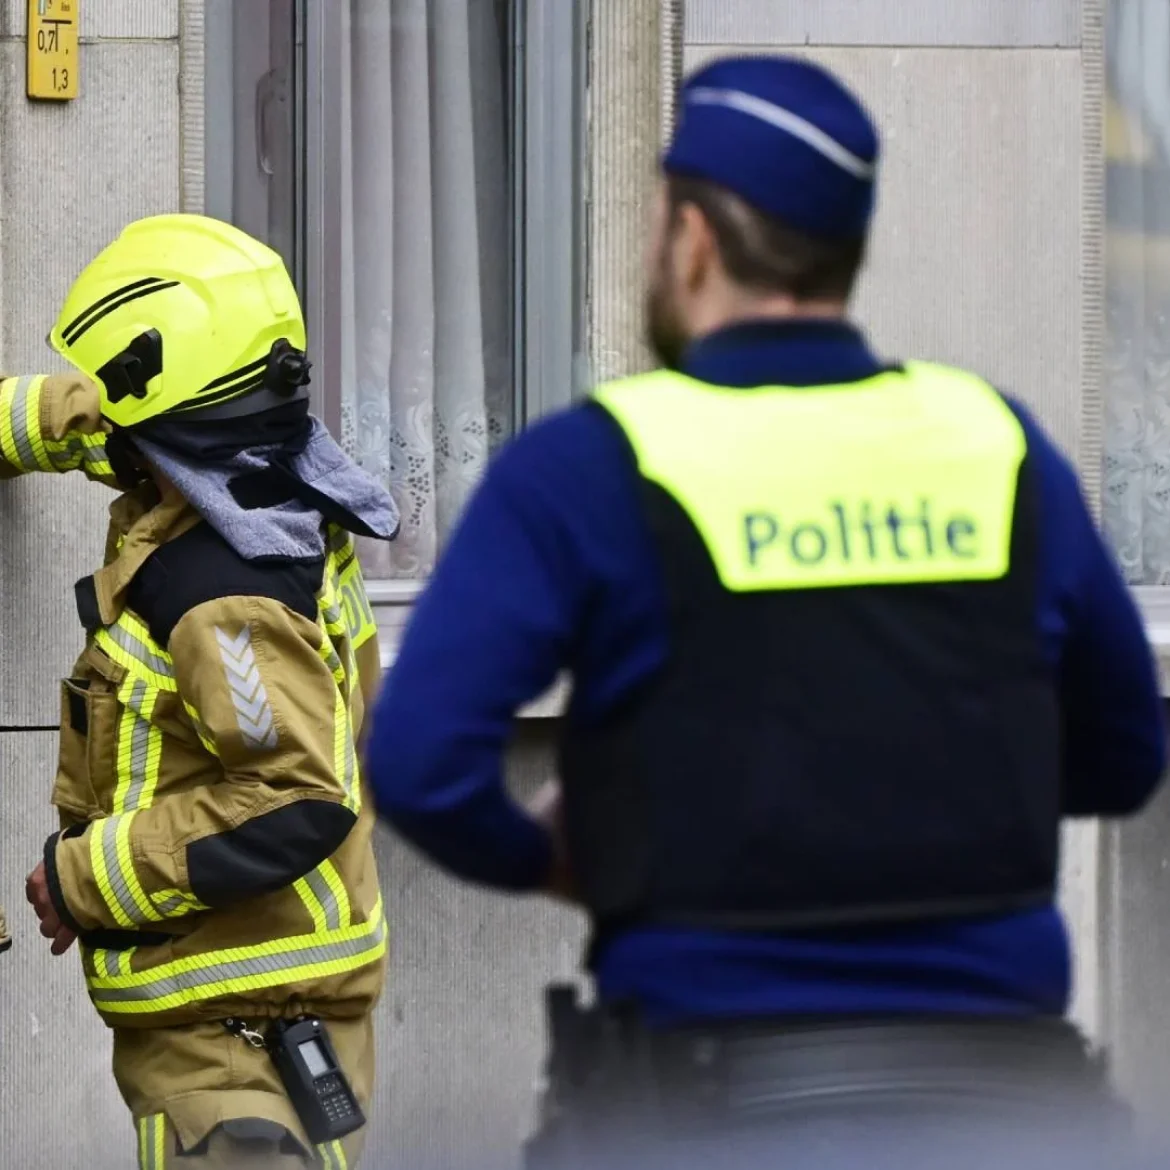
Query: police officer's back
<point>845,649</point>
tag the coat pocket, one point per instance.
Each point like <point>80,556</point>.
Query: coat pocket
<point>86,758</point>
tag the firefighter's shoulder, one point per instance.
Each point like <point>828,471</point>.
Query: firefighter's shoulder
<point>201,566</point>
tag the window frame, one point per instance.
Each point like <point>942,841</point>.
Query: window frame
<point>1153,601</point>
<point>549,48</point>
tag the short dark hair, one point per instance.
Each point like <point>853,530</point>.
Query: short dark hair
<point>764,253</point>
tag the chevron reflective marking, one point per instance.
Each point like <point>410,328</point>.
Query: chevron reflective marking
<point>250,699</point>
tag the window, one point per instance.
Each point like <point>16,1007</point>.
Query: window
<point>1137,257</point>
<point>418,165</point>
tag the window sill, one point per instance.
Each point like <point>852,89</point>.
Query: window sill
<point>392,601</point>
<point>1155,606</point>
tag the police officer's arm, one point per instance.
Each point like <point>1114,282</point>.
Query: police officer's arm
<point>251,674</point>
<point>524,589</point>
<point>1111,705</point>
<point>52,423</point>
<point>1115,744</point>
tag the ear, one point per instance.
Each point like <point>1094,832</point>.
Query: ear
<point>695,248</point>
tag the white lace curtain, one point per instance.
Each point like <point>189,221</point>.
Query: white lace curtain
<point>1137,389</point>
<point>426,373</point>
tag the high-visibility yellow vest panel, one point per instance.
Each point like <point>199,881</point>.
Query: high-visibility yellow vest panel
<point>907,477</point>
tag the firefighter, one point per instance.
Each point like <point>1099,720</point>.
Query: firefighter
<point>214,858</point>
<point>844,647</point>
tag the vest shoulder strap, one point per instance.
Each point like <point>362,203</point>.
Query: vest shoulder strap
<point>906,477</point>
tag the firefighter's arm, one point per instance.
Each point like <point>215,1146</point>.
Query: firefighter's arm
<point>264,702</point>
<point>52,422</point>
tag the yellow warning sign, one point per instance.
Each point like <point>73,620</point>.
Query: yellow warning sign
<point>53,58</point>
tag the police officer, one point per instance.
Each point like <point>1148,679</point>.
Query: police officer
<point>214,858</point>
<point>845,649</point>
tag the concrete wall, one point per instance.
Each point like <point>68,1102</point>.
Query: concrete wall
<point>70,176</point>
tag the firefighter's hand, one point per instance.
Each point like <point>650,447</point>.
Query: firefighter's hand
<point>36,890</point>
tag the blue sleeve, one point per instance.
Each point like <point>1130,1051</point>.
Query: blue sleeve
<point>502,616</point>
<point>1111,703</point>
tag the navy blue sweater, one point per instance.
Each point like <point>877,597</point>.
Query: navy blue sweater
<point>552,569</point>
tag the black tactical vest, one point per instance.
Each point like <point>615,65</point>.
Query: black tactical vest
<point>856,724</point>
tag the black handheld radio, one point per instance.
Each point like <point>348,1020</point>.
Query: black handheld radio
<point>313,1079</point>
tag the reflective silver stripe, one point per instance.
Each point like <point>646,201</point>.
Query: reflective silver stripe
<point>139,745</point>
<point>94,451</point>
<point>172,907</point>
<point>756,107</point>
<point>114,962</point>
<point>19,416</point>
<point>332,612</point>
<point>152,1133</point>
<point>350,761</point>
<point>249,697</point>
<point>259,970</point>
<point>331,659</point>
<point>325,895</point>
<point>139,650</point>
<point>114,872</point>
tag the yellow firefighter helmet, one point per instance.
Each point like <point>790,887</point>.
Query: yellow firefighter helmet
<point>184,313</point>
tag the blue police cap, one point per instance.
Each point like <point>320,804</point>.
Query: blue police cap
<point>786,136</point>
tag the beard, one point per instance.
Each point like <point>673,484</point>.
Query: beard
<point>665,332</point>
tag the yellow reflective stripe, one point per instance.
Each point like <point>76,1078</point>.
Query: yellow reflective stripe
<point>114,872</point>
<point>323,894</point>
<point>200,728</point>
<point>128,643</point>
<point>238,970</point>
<point>32,426</point>
<point>333,879</point>
<point>10,388</point>
<point>312,903</point>
<point>106,962</point>
<point>345,591</point>
<point>139,658</point>
<point>328,653</point>
<point>906,477</point>
<point>356,604</point>
<point>97,860</point>
<point>152,1149</point>
<point>332,1155</point>
<point>344,755</point>
<point>138,746</point>
<point>101,963</point>
<point>74,450</point>
<point>20,426</point>
<point>176,903</point>
<point>330,603</point>
<point>93,453</point>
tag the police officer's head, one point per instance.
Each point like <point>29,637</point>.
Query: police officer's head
<point>767,195</point>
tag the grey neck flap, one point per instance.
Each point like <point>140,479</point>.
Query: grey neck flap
<point>291,530</point>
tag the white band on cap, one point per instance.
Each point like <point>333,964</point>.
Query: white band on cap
<point>786,120</point>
